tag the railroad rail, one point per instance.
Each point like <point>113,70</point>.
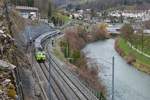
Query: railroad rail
<point>56,81</point>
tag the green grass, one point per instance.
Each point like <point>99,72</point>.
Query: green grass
<point>57,50</point>
<point>139,57</point>
<point>0,87</point>
<point>58,54</point>
<point>65,18</point>
<point>137,42</point>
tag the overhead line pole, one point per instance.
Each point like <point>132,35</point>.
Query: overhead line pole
<point>49,80</point>
<point>50,64</point>
<point>113,64</point>
<point>142,40</point>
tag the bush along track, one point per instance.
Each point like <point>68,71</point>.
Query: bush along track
<point>70,46</point>
<point>132,57</point>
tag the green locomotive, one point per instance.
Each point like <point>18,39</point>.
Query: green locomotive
<point>40,56</point>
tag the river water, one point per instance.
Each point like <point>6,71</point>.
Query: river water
<point>130,84</point>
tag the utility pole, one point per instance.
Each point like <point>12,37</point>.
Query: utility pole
<point>49,11</point>
<point>49,80</point>
<point>113,63</point>
<point>68,49</point>
<point>142,33</point>
<point>142,41</point>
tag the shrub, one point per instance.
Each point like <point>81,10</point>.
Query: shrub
<point>99,31</point>
<point>11,91</point>
<point>131,58</point>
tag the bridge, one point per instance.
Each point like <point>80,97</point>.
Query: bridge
<point>114,29</point>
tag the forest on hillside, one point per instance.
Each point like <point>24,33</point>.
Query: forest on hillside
<point>105,4</point>
<point>94,4</point>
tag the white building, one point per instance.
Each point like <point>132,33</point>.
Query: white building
<point>114,29</point>
<point>28,12</point>
<point>143,15</point>
<point>146,32</point>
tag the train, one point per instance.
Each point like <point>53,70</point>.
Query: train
<point>40,54</point>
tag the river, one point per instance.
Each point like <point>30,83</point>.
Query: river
<point>130,84</point>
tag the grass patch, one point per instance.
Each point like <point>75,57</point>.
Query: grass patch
<point>137,42</point>
<point>128,50</point>
<point>62,17</point>
<point>1,87</point>
<point>57,50</point>
<point>58,54</point>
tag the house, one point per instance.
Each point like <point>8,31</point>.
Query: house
<point>28,12</point>
<point>146,32</point>
<point>114,29</point>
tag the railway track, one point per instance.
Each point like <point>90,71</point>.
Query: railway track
<point>67,86</point>
<point>78,89</point>
<point>61,87</point>
<point>55,92</point>
<point>58,83</point>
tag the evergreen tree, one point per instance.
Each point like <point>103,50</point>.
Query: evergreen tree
<point>49,11</point>
<point>125,2</point>
<point>17,2</point>
<point>30,3</point>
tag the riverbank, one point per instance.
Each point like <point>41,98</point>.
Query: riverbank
<point>69,50</point>
<point>89,76</point>
<point>130,84</point>
<point>132,57</point>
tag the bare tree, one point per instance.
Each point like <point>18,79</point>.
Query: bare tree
<point>127,32</point>
<point>147,24</point>
<point>99,31</point>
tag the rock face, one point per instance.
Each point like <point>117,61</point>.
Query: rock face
<point>5,39</point>
<point>7,88</point>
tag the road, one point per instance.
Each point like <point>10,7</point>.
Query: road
<point>63,84</point>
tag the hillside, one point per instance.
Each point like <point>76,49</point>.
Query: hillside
<point>96,4</point>
<point>104,4</point>
<point>63,2</point>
